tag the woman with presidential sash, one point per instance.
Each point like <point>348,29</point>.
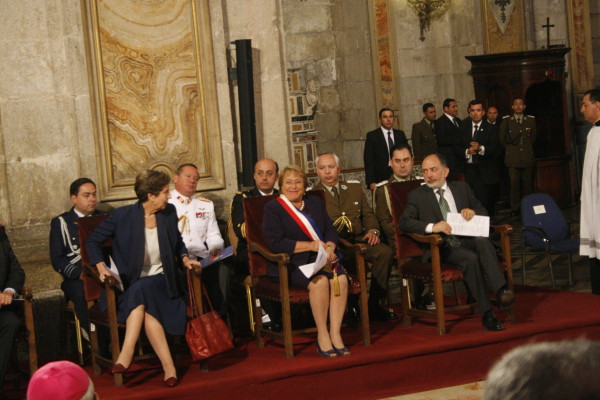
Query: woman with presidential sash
<point>299,225</point>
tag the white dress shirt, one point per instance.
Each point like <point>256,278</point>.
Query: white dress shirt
<point>449,199</point>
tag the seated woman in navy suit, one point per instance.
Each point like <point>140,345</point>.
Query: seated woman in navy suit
<point>298,225</point>
<point>147,250</point>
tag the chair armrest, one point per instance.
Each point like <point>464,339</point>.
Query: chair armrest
<point>359,248</point>
<point>26,293</point>
<point>431,239</point>
<point>274,257</point>
<point>92,271</point>
<point>503,229</point>
<point>539,231</point>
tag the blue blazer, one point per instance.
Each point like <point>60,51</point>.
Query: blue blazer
<point>126,228</point>
<point>281,232</point>
<point>59,249</point>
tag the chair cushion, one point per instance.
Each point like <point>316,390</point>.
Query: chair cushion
<point>266,288</point>
<point>415,269</point>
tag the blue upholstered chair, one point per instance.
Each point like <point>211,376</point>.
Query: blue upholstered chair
<point>545,230</point>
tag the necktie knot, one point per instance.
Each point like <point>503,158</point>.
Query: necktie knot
<point>334,190</point>
<point>441,192</point>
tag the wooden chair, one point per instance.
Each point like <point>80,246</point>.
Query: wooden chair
<point>410,266</point>
<point>108,317</point>
<point>25,335</point>
<point>282,292</point>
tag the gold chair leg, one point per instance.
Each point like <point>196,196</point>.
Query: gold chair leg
<point>78,338</point>
<point>250,308</point>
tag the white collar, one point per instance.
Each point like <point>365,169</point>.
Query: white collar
<point>266,194</point>
<point>80,215</point>
<point>450,117</point>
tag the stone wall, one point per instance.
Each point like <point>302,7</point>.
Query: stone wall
<point>46,131</point>
<point>436,68</point>
<point>595,30</point>
<point>329,40</point>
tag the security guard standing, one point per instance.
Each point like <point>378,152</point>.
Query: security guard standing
<point>355,221</point>
<point>517,134</point>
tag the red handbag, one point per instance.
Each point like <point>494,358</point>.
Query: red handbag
<point>206,334</point>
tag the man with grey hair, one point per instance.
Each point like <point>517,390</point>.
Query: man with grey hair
<point>549,371</point>
<point>355,221</point>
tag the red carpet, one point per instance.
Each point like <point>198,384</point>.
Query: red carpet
<point>401,360</point>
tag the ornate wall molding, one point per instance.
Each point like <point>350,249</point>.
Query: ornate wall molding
<point>384,65</point>
<point>504,26</point>
<point>582,67</point>
<point>153,91</point>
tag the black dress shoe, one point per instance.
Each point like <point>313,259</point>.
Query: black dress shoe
<point>491,323</point>
<point>377,313</point>
<point>505,297</point>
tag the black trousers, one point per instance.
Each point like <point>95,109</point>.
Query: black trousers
<point>487,194</point>
<point>10,324</point>
<point>73,289</point>
<point>521,184</point>
<point>477,259</point>
<point>595,275</point>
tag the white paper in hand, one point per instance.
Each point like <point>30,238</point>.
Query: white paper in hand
<point>479,225</point>
<point>115,274</point>
<point>310,269</point>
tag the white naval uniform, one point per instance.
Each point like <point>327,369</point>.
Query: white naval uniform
<point>197,224</point>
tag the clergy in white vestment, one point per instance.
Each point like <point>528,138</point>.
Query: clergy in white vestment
<point>590,189</point>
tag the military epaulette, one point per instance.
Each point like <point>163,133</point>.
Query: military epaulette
<point>506,116</point>
<point>242,193</point>
<point>203,199</point>
<point>381,183</point>
<point>353,181</point>
<point>530,116</point>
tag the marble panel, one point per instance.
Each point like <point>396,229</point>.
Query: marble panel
<point>71,18</point>
<point>76,81</point>
<point>152,91</point>
<point>33,68</point>
<point>306,19</point>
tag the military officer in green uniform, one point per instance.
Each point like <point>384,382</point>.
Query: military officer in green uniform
<point>517,134</point>
<point>402,162</point>
<point>355,221</point>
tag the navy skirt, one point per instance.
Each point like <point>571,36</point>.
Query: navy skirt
<point>151,292</point>
<point>297,278</point>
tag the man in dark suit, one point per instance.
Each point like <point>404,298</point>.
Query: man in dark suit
<point>423,138</point>
<point>446,133</point>
<point>64,246</point>
<point>477,150</point>
<point>379,142</point>
<point>426,212</point>
<point>12,279</point>
<point>266,173</point>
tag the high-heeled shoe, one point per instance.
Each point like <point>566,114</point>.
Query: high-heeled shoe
<point>344,351</point>
<point>327,354</point>
<point>171,382</point>
<point>119,368</point>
